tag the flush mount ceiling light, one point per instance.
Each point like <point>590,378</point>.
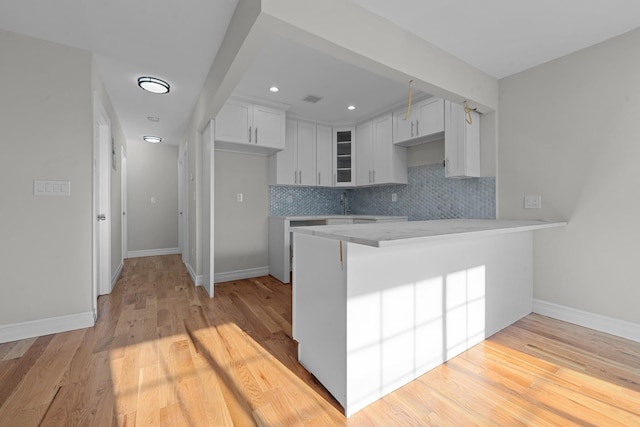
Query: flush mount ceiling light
<point>351,107</point>
<point>153,119</point>
<point>152,84</point>
<point>274,89</point>
<point>152,139</point>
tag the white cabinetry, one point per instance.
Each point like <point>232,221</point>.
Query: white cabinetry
<point>244,123</point>
<point>324,156</point>
<point>379,160</point>
<point>306,159</point>
<point>344,155</point>
<point>461,142</point>
<point>425,123</point>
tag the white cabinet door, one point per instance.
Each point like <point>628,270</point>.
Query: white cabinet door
<point>429,117</point>
<point>344,156</point>
<point>389,161</point>
<point>364,148</point>
<point>426,123</point>
<point>461,142</point>
<point>323,156</point>
<point>283,163</point>
<point>402,126</point>
<point>268,127</point>
<point>233,122</point>
<point>306,148</point>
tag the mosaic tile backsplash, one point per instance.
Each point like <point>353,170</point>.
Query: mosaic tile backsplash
<point>428,195</point>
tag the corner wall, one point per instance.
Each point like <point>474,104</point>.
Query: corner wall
<point>45,133</point>
<point>569,133</point>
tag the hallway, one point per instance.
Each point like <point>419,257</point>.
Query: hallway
<point>163,353</point>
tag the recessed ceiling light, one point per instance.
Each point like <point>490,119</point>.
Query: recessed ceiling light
<point>351,107</point>
<point>153,119</point>
<point>152,84</point>
<point>274,89</point>
<point>152,139</point>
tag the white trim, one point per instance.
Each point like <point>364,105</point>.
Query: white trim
<point>116,275</point>
<point>52,325</point>
<point>153,252</point>
<point>197,280</point>
<point>609,325</point>
<point>226,276</point>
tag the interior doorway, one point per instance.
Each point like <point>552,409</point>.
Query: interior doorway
<point>101,203</point>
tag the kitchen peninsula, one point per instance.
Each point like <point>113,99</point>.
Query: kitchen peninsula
<point>377,305</point>
<point>280,235</point>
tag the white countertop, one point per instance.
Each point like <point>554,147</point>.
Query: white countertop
<point>399,233</point>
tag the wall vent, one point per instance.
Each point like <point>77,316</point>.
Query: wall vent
<point>312,99</point>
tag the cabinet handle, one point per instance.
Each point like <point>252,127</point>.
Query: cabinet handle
<point>256,134</point>
<point>249,133</point>
<point>412,129</point>
<point>446,166</point>
<point>417,128</point>
<point>374,176</point>
<point>369,176</point>
<point>300,180</point>
<point>295,177</point>
<point>319,180</point>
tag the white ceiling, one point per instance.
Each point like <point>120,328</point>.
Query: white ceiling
<point>177,40</point>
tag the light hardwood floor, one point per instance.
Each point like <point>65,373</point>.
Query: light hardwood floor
<point>163,353</point>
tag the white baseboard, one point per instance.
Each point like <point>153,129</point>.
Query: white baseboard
<point>52,325</point>
<point>609,325</point>
<point>116,276</point>
<point>240,274</point>
<point>197,280</point>
<point>153,252</point>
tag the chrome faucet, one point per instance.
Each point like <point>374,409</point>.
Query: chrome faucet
<point>344,201</point>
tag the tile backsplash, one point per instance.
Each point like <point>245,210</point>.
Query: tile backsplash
<point>428,195</point>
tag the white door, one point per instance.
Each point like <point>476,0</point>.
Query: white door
<point>101,203</point>
<point>208,209</point>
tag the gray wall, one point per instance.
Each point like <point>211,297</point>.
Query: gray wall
<point>45,133</point>
<point>152,172</point>
<point>241,229</point>
<point>569,132</point>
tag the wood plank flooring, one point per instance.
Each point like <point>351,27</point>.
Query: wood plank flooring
<point>163,353</point>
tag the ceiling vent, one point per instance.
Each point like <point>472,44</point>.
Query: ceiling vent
<point>312,99</point>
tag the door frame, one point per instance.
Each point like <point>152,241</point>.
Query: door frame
<point>101,266</point>
<point>123,196</point>
<point>183,201</point>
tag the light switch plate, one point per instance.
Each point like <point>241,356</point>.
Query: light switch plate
<point>51,188</point>
<point>532,202</point>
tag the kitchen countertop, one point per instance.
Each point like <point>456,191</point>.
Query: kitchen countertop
<point>399,233</point>
<point>338,216</point>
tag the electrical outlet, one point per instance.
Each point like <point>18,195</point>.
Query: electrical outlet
<point>394,197</point>
<point>239,197</point>
<point>532,202</point>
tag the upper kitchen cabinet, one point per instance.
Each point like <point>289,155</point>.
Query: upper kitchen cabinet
<point>344,156</point>
<point>247,127</point>
<point>296,164</point>
<point>324,155</point>
<point>307,159</point>
<point>425,123</point>
<point>461,142</point>
<point>379,161</point>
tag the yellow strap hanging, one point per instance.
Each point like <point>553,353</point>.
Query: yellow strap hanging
<point>467,112</point>
<point>406,117</point>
